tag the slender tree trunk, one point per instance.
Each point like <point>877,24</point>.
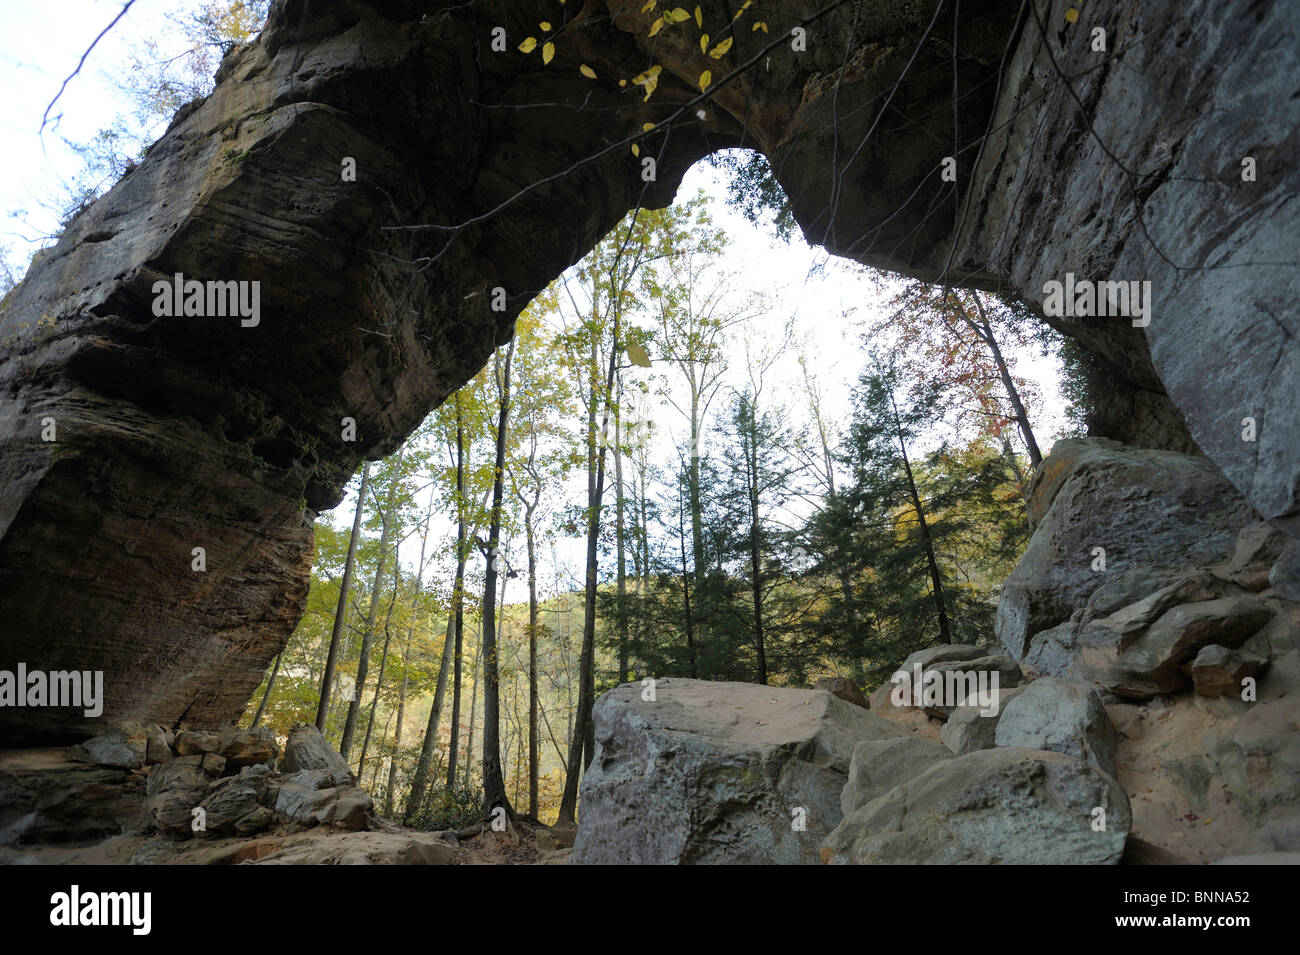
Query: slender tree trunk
<point>458,596</point>
<point>383,663</point>
<point>421,778</point>
<point>621,620</point>
<point>397,734</point>
<point>755,542</point>
<point>686,588</point>
<point>494,784</point>
<point>1013,393</point>
<point>945,636</point>
<point>473,709</point>
<point>363,664</point>
<point>340,613</point>
<point>582,741</point>
<point>270,684</point>
<point>532,665</point>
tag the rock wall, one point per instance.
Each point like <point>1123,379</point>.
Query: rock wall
<point>177,433</point>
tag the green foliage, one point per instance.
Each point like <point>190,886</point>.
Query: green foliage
<point>455,807</point>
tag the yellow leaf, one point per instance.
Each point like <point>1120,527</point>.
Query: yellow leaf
<point>528,45</point>
<point>650,5</point>
<point>704,42</point>
<point>741,10</point>
<point>545,26</point>
<point>638,355</point>
<point>587,71</point>
<point>705,79</point>
<point>622,82</point>
<point>650,85</point>
<point>548,52</point>
<point>678,15</point>
<point>656,26</point>
<point>699,18</point>
<point>719,51</point>
<point>1072,15</point>
<point>636,150</point>
<point>760,25</point>
<point>646,127</point>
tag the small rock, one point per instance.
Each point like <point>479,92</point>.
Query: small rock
<point>213,764</point>
<point>1218,670</point>
<point>844,688</point>
<point>306,748</point>
<point>970,728</point>
<point>157,749</point>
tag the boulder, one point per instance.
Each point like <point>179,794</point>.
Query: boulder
<point>1144,664</point>
<point>844,688</point>
<point>971,727</point>
<point>306,748</point>
<point>1219,671</point>
<point>880,765</point>
<point>157,749</point>
<point>213,764</point>
<point>963,678</point>
<point>996,806</point>
<point>249,747</point>
<point>197,742</point>
<point>717,773</point>
<point>312,797</point>
<point>240,805</point>
<point>1152,512</point>
<point>1063,716</point>
<point>122,746</point>
<point>174,790</point>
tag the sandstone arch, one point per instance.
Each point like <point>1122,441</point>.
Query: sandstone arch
<point>181,433</point>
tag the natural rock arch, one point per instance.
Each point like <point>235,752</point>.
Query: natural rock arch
<point>181,433</point>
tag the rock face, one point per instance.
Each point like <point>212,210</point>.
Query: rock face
<point>1151,513</point>
<point>998,806</point>
<point>176,434</point>
<point>717,773</point>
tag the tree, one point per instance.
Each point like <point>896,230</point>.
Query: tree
<point>327,683</point>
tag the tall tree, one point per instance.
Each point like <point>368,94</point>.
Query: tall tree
<point>494,784</point>
<point>340,615</point>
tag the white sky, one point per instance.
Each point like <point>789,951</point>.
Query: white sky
<point>41,42</point>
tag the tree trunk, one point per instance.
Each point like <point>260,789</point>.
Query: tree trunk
<point>421,778</point>
<point>494,784</point>
<point>621,559</point>
<point>532,666</point>
<point>340,613</point>
<point>270,684</point>
<point>458,596</point>
<point>473,709</point>
<point>363,664</point>
<point>945,636</point>
<point>1013,393</point>
<point>383,663</point>
<point>755,543</point>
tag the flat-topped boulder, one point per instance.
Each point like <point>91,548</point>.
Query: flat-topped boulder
<point>718,773</point>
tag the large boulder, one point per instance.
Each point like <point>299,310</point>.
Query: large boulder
<point>123,746</point>
<point>1008,806</point>
<point>1153,514</point>
<point>879,765</point>
<point>306,748</point>
<point>717,773</point>
<point>1064,716</point>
